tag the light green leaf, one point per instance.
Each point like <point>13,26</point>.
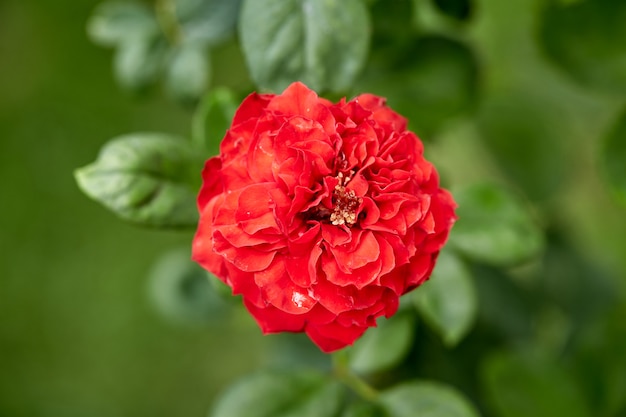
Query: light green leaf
<point>363,409</point>
<point>181,291</point>
<point>384,346</point>
<point>116,22</point>
<point>147,178</point>
<point>208,22</point>
<point>281,394</point>
<point>448,300</point>
<point>614,158</point>
<point>188,72</point>
<point>212,118</point>
<point>522,386</point>
<point>494,226</point>
<point>426,399</point>
<point>321,43</point>
<point>586,40</point>
<point>138,62</point>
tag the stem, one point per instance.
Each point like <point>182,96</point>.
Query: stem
<point>342,372</point>
<point>166,16</point>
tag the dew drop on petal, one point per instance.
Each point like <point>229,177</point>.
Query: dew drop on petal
<point>298,299</point>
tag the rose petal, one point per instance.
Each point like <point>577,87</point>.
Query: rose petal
<point>251,107</point>
<point>367,250</point>
<point>245,258</point>
<point>333,336</point>
<point>211,182</point>
<point>281,292</point>
<point>299,100</point>
<point>273,320</point>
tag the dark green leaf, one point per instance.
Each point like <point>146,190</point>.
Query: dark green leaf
<point>281,394</point>
<point>147,178</point>
<point>494,226</point>
<point>601,364</point>
<point>430,81</point>
<point>448,300</point>
<point>586,40</point>
<point>505,306</point>
<point>181,290</point>
<point>426,399</point>
<point>117,22</point>
<point>614,158</point>
<point>321,43</point>
<point>459,9</point>
<point>385,346</point>
<point>522,386</point>
<point>212,118</point>
<point>188,72</point>
<point>138,62</point>
<point>207,21</point>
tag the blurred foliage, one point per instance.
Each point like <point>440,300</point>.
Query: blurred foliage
<point>521,104</point>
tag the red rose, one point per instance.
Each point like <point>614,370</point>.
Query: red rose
<point>320,215</point>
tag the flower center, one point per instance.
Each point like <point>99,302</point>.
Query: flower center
<point>345,203</point>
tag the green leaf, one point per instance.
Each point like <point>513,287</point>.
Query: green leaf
<point>281,394</point>
<point>296,351</point>
<point>385,346</point>
<point>586,40</point>
<point>188,72</point>
<point>458,9</point>
<point>506,307</point>
<point>522,386</point>
<point>494,226</point>
<point>181,291</point>
<point>212,118</point>
<point>430,81</point>
<point>146,178</point>
<point>363,409</point>
<point>426,399</point>
<point>321,43</point>
<point>221,289</point>
<point>614,158</point>
<point>521,128</point>
<point>208,22</point>
<point>448,300</point>
<point>138,62</point>
<point>116,22</point>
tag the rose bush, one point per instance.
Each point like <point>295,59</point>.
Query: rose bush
<point>320,215</point>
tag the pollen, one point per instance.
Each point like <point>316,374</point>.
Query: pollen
<point>345,202</point>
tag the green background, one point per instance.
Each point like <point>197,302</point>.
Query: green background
<point>79,334</point>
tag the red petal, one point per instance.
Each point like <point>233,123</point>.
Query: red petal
<point>359,277</point>
<point>281,292</point>
<point>211,182</point>
<point>304,240</point>
<point>273,320</point>
<point>367,250</point>
<point>420,269</point>
<point>252,107</point>
<point>202,246</point>
<point>299,100</point>
<point>303,270</point>
<point>244,258</point>
<point>336,235</point>
<point>428,224</point>
<point>333,336</point>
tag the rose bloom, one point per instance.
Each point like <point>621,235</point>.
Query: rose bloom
<point>320,215</point>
